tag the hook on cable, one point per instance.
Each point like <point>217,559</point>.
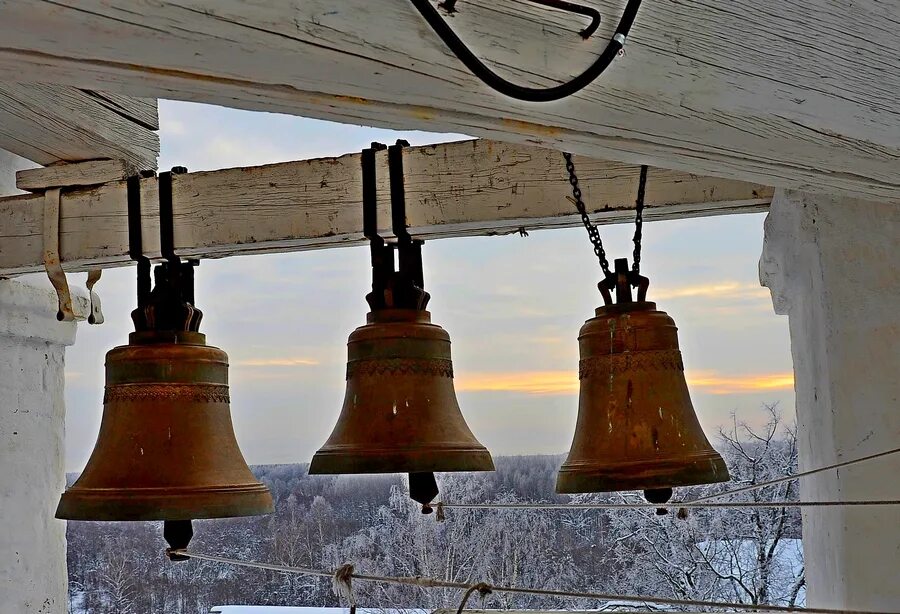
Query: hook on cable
<point>531,94</point>
<point>562,5</point>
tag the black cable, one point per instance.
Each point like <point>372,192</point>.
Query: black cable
<point>562,5</point>
<point>519,92</point>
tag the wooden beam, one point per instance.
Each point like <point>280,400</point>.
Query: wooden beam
<point>53,123</point>
<point>453,189</point>
<point>774,92</point>
<point>77,174</point>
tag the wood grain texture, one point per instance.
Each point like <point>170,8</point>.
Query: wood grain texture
<point>791,93</point>
<point>52,123</point>
<point>453,189</point>
<point>89,172</point>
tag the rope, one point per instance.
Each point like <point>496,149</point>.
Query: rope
<point>342,587</point>
<point>795,476</point>
<point>427,582</point>
<point>483,589</point>
<point>638,506</point>
<point>701,501</point>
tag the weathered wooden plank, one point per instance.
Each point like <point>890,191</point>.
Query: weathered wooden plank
<point>453,189</point>
<point>51,123</point>
<point>143,111</point>
<point>89,172</point>
<point>785,93</point>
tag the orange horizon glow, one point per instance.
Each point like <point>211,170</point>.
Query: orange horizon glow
<point>725,289</point>
<point>276,362</point>
<point>566,382</point>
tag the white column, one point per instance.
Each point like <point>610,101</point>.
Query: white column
<point>32,423</point>
<point>833,266</point>
<point>32,427</point>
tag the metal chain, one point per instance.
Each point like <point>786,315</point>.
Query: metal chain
<point>592,231</point>
<point>639,220</point>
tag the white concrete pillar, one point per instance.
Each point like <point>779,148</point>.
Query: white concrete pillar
<point>32,426</point>
<point>833,266</point>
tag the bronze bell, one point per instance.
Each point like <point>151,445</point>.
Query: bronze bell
<point>400,413</point>
<point>166,448</point>
<point>636,427</point>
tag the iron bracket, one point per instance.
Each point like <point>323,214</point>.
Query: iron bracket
<point>391,288</point>
<point>622,280</point>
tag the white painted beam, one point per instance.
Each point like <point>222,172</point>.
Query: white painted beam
<point>453,189</point>
<point>89,172</point>
<point>53,123</point>
<point>793,94</point>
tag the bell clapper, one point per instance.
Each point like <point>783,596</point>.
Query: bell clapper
<point>423,489</point>
<point>658,495</point>
<point>178,534</point>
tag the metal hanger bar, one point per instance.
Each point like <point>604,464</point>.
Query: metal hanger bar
<point>135,239</point>
<point>166,219</point>
<point>398,192</point>
<point>409,252</point>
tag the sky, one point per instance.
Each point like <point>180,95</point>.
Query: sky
<point>512,305</point>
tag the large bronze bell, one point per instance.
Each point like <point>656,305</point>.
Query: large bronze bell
<point>636,427</point>
<point>166,448</point>
<point>400,412</point>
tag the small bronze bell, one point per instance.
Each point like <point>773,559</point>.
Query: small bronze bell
<point>166,448</point>
<point>400,413</point>
<point>636,427</point>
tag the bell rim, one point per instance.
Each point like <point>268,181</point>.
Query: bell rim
<point>602,476</point>
<point>400,460</point>
<point>162,503</point>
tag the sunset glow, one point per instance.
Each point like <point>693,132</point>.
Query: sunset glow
<point>566,382</point>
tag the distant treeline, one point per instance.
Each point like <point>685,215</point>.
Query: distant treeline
<point>746,555</point>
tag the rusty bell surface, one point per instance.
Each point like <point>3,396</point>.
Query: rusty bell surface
<point>400,413</point>
<point>636,427</point>
<point>166,448</point>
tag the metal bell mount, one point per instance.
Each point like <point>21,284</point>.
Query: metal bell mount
<point>166,448</point>
<point>636,428</point>
<point>400,412</point>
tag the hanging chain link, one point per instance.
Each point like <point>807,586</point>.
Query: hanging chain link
<point>639,220</point>
<point>592,231</point>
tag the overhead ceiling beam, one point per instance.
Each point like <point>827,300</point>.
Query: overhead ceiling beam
<point>791,94</point>
<point>453,189</point>
<point>57,123</point>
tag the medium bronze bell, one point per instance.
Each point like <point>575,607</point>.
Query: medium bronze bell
<point>166,448</point>
<point>636,427</point>
<point>400,413</point>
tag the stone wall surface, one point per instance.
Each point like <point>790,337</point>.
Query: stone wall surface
<point>32,424</point>
<point>32,429</point>
<point>833,266</point>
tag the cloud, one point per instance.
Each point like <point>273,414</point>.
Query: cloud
<point>719,290</point>
<point>566,382</point>
<point>712,383</point>
<point>276,362</point>
<point>525,382</point>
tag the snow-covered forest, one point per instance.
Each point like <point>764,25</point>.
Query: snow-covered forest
<point>750,555</point>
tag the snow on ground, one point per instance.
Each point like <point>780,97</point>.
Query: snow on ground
<point>267,609</point>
